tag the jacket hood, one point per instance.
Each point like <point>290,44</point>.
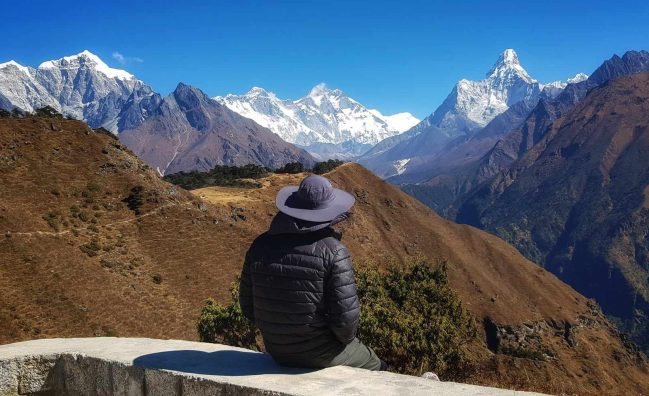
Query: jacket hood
<point>285,224</point>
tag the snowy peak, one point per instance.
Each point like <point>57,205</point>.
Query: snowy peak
<point>324,116</point>
<point>507,66</point>
<point>321,95</point>
<point>553,89</point>
<point>81,86</point>
<point>86,58</point>
<point>473,104</point>
<point>257,91</point>
<point>13,63</point>
<point>319,90</point>
<point>579,77</point>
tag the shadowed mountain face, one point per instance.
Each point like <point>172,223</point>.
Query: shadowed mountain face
<point>189,131</point>
<point>443,180</point>
<point>578,201</point>
<point>95,243</point>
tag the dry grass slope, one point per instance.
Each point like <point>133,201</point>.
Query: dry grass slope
<point>78,261</point>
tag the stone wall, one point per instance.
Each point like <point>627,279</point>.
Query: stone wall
<point>137,366</point>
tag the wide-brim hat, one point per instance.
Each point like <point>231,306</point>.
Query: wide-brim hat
<point>315,199</point>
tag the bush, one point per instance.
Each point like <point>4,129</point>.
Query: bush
<point>227,325</point>
<point>323,167</point>
<point>413,320</point>
<point>135,200</point>
<point>291,167</point>
<point>53,219</point>
<point>4,113</point>
<point>410,317</point>
<point>91,248</point>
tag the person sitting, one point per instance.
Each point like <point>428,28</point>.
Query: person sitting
<point>297,282</point>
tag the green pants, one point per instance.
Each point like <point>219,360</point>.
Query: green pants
<point>356,354</point>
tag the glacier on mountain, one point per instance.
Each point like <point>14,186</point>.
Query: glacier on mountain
<point>81,86</point>
<point>469,107</point>
<point>327,122</point>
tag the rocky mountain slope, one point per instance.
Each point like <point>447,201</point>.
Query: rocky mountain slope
<point>469,107</point>
<point>327,122</point>
<point>189,131</point>
<point>95,243</point>
<point>81,86</point>
<point>577,201</point>
<point>442,181</point>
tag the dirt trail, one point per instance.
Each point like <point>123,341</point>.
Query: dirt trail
<point>65,232</point>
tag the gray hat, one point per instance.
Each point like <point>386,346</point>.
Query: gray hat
<point>314,200</point>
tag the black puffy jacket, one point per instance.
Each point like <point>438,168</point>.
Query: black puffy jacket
<point>297,285</point>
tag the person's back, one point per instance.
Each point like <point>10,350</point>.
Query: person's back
<point>298,285</point>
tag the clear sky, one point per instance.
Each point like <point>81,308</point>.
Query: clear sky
<point>391,55</point>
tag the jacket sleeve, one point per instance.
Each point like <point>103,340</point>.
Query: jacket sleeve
<point>245,290</point>
<point>342,298</point>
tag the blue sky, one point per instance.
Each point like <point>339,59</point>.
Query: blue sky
<point>391,55</point>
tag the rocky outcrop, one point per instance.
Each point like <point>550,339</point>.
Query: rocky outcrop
<point>141,366</point>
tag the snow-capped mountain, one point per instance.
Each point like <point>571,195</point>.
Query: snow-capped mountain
<point>19,88</point>
<point>553,89</point>
<point>80,86</point>
<point>326,122</point>
<point>470,107</point>
<point>472,104</point>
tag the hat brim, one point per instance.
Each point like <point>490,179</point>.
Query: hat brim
<point>341,203</point>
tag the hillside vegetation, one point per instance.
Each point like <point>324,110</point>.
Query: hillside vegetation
<point>95,243</point>
<point>411,318</point>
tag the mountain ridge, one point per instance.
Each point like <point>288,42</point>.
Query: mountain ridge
<point>590,167</point>
<point>189,131</point>
<point>324,118</point>
<point>469,107</point>
<point>447,178</point>
<point>80,86</point>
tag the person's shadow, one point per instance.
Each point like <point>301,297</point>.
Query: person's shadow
<point>228,362</point>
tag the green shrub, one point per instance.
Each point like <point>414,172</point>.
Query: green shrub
<point>91,248</point>
<point>326,166</point>
<point>413,320</point>
<point>227,325</point>
<point>291,167</point>
<point>410,317</point>
<point>135,200</point>
<point>53,219</point>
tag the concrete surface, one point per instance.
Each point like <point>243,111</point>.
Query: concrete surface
<point>140,366</point>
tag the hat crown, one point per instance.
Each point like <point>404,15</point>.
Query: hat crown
<point>316,190</point>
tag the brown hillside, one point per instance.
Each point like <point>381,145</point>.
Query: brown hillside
<point>84,252</point>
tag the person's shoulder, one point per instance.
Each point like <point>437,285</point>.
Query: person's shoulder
<point>333,247</point>
<point>261,242</point>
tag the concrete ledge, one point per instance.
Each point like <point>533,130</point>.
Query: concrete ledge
<point>140,366</point>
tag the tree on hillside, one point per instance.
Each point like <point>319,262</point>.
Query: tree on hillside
<point>326,166</point>
<point>291,167</point>
<point>4,113</point>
